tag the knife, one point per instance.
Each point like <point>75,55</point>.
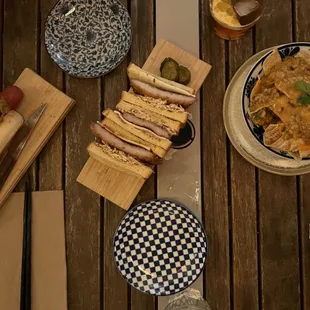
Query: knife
<point>18,143</point>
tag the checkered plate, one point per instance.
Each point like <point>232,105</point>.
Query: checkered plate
<point>160,247</point>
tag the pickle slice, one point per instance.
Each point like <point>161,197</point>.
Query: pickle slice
<point>172,71</point>
<point>168,60</point>
<point>169,69</point>
<point>184,75</point>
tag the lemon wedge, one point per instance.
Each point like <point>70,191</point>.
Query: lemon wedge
<point>223,11</point>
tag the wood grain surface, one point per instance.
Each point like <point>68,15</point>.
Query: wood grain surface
<point>257,223</point>
<point>278,196</point>
<point>244,251</point>
<point>83,212</point>
<point>302,24</point>
<point>214,168</point>
<point>51,163</point>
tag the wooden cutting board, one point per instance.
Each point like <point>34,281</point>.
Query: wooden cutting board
<point>120,187</point>
<point>37,92</point>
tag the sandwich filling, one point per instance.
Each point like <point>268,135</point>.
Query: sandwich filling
<point>151,91</point>
<point>157,123</point>
<point>162,104</point>
<point>158,138</point>
<point>137,152</point>
<point>161,131</point>
<point>118,155</point>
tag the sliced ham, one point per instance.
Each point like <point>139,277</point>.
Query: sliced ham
<point>146,124</point>
<point>114,141</point>
<point>151,91</point>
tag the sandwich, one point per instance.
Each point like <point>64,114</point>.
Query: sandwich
<point>171,111</point>
<point>159,145</point>
<point>151,85</point>
<point>136,135</point>
<point>118,160</point>
<point>115,136</point>
<point>163,119</point>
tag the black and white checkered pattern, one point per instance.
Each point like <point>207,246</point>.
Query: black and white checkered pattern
<point>160,247</point>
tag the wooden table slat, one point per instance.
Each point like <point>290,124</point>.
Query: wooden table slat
<point>302,12</point>
<point>116,290</point>
<point>214,170</point>
<point>82,214</point>
<point>51,158</point>
<point>305,240</point>
<point>243,201</point>
<point>278,195</point>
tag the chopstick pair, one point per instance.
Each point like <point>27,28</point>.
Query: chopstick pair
<point>25,291</point>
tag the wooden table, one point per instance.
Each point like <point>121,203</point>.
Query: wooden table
<point>257,223</point>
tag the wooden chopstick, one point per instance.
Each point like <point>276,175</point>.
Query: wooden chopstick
<point>25,291</point>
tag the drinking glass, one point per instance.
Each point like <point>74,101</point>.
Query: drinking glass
<point>189,299</point>
<point>225,21</point>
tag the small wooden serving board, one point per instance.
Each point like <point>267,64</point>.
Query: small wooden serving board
<point>37,91</point>
<point>120,187</point>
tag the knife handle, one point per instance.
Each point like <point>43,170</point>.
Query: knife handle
<point>6,167</point>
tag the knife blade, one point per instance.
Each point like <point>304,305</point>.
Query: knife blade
<point>18,143</point>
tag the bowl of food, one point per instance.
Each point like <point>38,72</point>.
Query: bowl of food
<point>276,101</point>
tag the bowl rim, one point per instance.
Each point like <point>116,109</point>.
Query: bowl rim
<point>247,79</point>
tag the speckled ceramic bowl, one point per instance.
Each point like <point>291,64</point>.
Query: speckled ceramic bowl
<point>88,38</point>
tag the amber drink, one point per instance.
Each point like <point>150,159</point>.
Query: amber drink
<point>231,19</point>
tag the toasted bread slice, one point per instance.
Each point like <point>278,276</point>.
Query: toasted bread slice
<point>118,160</point>
<point>158,106</point>
<point>127,136</point>
<point>135,72</point>
<point>138,131</point>
<point>172,126</point>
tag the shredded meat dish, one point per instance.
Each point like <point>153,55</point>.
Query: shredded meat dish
<point>274,104</point>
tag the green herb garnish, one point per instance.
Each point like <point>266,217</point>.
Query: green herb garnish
<point>304,99</point>
<point>304,87</point>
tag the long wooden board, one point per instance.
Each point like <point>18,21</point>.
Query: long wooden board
<point>37,91</point>
<point>119,187</point>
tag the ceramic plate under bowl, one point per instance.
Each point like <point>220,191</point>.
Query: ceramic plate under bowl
<point>88,38</point>
<point>239,132</point>
<point>160,247</point>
